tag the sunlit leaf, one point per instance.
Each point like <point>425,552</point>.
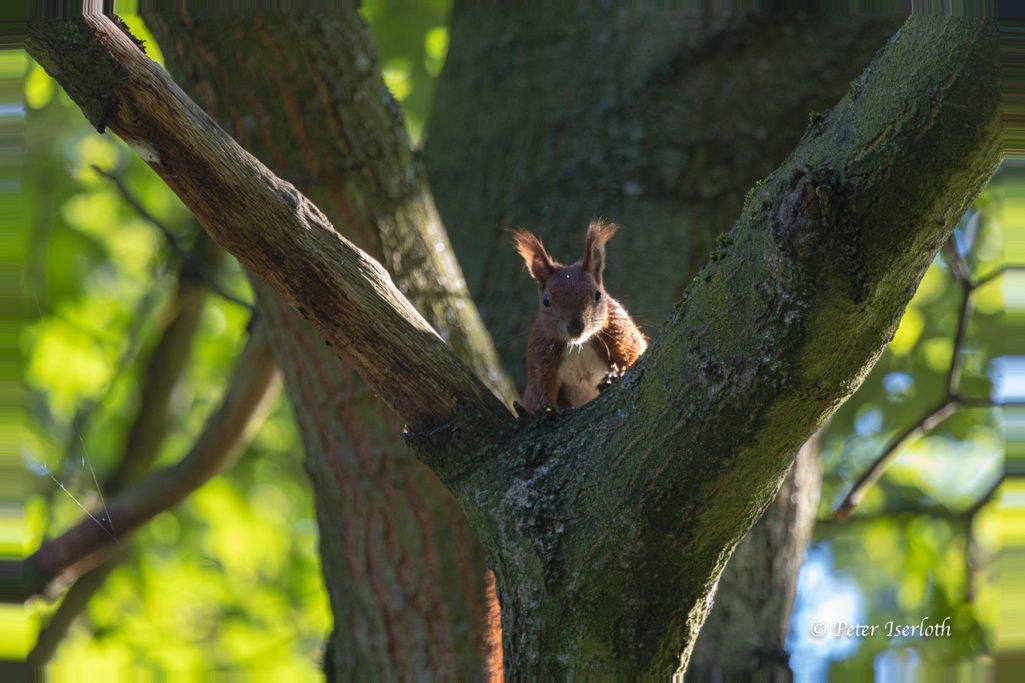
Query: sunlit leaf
<point>39,88</point>
<point>396,74</point>
<point>911,326</point>
<point>435,49</point>
<point>936,353</point>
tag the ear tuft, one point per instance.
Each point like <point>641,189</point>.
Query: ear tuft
<point>599,232</point>
<point>539,263</point>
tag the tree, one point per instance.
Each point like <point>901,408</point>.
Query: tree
<point>408,610</point>
<point>658,147</point>
<point>766,376</point>
<point>847,50</point>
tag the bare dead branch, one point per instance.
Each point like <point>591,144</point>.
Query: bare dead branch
<point>265,222</point>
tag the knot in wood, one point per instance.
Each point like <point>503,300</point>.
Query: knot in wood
<point>804,217</point>
<point>818,224</point>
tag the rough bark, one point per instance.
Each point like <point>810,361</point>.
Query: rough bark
<point>404,573</point>
<point>617,518</point>
<point>668,147</point>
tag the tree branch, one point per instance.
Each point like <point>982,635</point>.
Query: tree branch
<point>1002,270</point>
<point>912,509</point>
<point>265,222</point>
<point>164,368</point>
<point>252,389</point>
<point>160,376</point>
<point>74,602</point>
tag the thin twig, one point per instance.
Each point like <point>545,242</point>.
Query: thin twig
<point>925,423</point>
<point>952,400</point>
<point>935,510</point>
<point>959,269</point>
<point>963,318</point>
<point>161,374</point>
<point>957,265</point>
<point>1002,270</point>
<point>989,403</point>
<point>187,258</point>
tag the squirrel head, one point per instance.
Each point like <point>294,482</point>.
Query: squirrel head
<point>572,304</point>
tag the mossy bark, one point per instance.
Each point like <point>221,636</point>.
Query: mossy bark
<point>745,634</point>
<point>609,525</point>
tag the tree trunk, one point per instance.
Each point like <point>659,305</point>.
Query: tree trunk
<point>609,524</point>
<point>746,630</point>
<point>404,573</point>
<point>660,120</point>
<point>668,146</point>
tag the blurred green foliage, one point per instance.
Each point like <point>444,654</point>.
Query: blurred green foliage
<point>412,41</point>
<point>230,579</point>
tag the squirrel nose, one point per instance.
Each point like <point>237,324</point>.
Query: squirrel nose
<point>575,326</point>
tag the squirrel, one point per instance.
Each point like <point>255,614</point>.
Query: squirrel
<point>582,338</point>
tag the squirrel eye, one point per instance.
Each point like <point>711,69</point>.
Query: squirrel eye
<point>546,300</point>
<point>597,295</point>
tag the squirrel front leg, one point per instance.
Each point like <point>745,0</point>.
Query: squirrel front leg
<point>542,372</point>
<point>623,340</point>
<point>540,393</point>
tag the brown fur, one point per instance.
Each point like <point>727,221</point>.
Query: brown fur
<point>574,324</point>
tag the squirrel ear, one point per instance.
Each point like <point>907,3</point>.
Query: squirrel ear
<point>598,233</point>
<point>539,263</point>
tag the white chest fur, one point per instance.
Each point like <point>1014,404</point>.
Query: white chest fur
<point>580,372</point>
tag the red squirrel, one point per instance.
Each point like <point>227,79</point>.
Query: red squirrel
<point>582,337</point>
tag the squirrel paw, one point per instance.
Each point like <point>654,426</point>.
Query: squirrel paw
<point>611,376</point>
